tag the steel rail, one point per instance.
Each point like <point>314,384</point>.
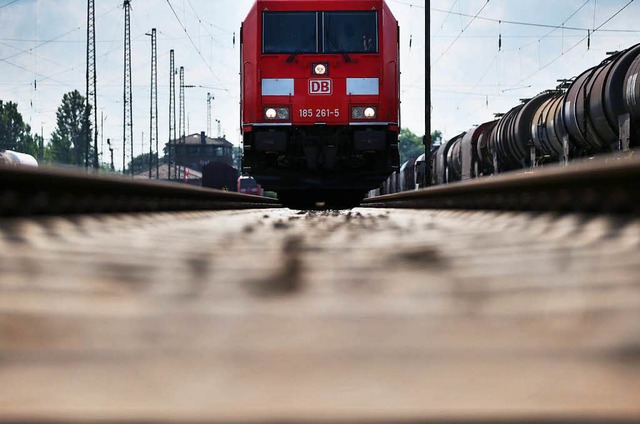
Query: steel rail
<point>28,191</point>
<point>604,185</point>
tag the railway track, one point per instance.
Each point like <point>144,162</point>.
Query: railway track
<point>273,315</point>
<point>373,315</point>
<point>28,191</point>
<point>608,185</point>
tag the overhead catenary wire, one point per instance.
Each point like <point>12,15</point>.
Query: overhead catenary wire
<point>539,38</point>
<point>445,19</point>
<point>192,42</point>
<point>53,39</point>
<point>561,26</point>
<point>8,4</point>
<point>406,3</point>
<point>457,38</point>
<point>504,91</point>
<point>531,24</point>
<point>579,42</point>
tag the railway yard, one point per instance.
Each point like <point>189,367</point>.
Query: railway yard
<point>267,314</point>
<point>362,273</point>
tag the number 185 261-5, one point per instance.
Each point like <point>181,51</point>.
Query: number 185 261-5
<point>319,113</point>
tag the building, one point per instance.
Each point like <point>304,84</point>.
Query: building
<point>178,174</point>
<point>197,150</point>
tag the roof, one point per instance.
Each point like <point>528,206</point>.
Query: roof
<point>197,139</point>
<point>164,173</point>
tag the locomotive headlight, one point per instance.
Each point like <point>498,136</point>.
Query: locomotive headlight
<point>320,68</point>
<point>369,113</point>
<point>270,113</point>
<point>277,113</point>
<point>283,112</point>
<point>363,112</point>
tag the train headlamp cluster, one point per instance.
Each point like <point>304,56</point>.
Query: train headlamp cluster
<point>363,112</point>
<point>276,113</point>
<point>320,69</point>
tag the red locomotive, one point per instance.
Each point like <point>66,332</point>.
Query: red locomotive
<point>248,185</point>
<point>320,98</point>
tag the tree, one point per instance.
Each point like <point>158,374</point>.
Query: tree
<point>237,157</point>
<point>31,144</point>
<point>436,138</point>
<point>12,127</point>
<point>73,132</point>
<point>15,134</point>
<point>410,145</point>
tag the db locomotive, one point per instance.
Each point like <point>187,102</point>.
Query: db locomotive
<point>320,99</point>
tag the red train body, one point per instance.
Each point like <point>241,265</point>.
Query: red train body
<point>249,185</point>
<point>320,97</point>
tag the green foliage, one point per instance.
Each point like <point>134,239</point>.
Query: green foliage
<point>12,127</point>
<point>15,134</point>
<point>436,138</point>
<point>73,132</point>
<point>410,145</point>
<point>237,157</point>
<point>32,144</point>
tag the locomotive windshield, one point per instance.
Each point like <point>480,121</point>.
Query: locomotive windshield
<point>350,32</point>
<point>342,32</point>
<point>289,32</point>
<point>247,182</point>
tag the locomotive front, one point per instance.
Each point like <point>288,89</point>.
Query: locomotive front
<point>320,108</point>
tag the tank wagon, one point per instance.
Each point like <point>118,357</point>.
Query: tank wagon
<point>320,98</point>
<point>594,113</point>
<point>10,157</point>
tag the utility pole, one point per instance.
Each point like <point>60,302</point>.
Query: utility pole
<point>127,127</point>
<point>427,117</point>
<point>182,120</point>
<point>172,106</point>
<point>209,98</point>
<point>102,134</point>
<point>153,111</point>
<point>41,143</point>
<point>92,98</point>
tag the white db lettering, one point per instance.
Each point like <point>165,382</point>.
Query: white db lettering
<point>319,86</point>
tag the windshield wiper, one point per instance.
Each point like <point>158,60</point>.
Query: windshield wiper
<point>302,46</point>
<point>337,44</point>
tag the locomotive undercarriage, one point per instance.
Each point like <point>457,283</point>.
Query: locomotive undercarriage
<point>320,166</point>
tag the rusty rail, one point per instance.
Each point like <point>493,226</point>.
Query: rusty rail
<point>28,191</point>
<point>609,185</point>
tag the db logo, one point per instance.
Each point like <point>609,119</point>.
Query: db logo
<point>319,86</point>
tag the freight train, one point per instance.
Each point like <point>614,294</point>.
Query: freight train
<point>320,98</point>
<point>594,113</point>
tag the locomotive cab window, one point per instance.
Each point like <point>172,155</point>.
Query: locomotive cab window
<point>289,32</point>
<point>350,32</point>
<point>248,182</point>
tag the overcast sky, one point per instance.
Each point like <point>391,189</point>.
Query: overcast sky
<point>44,41</point>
